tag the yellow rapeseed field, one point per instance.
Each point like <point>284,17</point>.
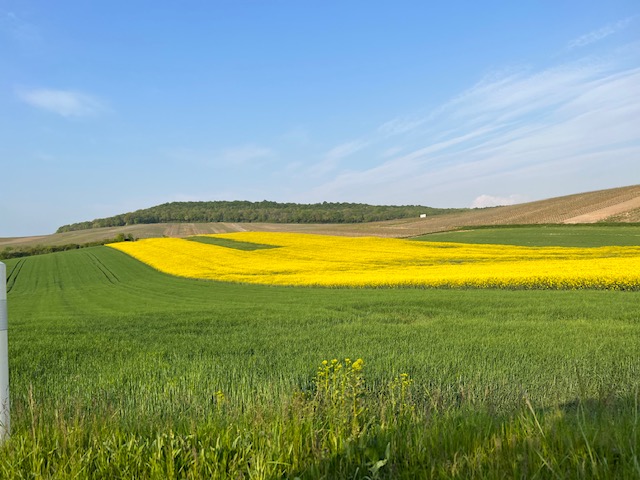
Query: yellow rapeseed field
<point>304,259</point>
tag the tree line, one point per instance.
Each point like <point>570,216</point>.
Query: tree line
<point>13,252</point>
<point>264,212</point>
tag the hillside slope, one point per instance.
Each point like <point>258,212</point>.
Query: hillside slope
<point>612,205</point>
<point>260,212</point>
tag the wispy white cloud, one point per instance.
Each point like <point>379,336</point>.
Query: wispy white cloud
<point>345,149</point>
<point>524,131</point>
<point>67,103</point>
<point>400,125</point>
<point>331,160</point>
<point>599,34</point>
<point>484,200</point>
<point>338,157</point>
<point>343,156</point>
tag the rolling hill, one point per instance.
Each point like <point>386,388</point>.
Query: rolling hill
<point>618,205</point>
<point>259,212</point>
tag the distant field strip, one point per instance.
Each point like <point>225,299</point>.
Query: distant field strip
<point>316,260</point>
<point>227,242</point>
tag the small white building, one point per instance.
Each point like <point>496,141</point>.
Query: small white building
<point>423,215</point>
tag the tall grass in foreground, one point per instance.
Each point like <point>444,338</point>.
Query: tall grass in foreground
<point>339,428</point>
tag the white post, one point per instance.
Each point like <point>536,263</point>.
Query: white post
<point>4,357</point>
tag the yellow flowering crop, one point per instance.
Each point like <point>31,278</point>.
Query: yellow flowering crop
<point>305,259</point>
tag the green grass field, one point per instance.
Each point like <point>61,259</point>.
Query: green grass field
<point>544,236</point>
<point>118,371</point>
<point>227,242</point>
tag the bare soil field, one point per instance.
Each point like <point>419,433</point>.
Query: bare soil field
<point>611,205</point>
<point>607,212</point>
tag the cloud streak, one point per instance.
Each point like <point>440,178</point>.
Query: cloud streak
<point>331,160</point>
<point>66,103</point>
<point>484,201</point>
<point>599,34</point>
<point>563,125</point>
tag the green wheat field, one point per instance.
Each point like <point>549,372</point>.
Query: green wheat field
<point>119,371</point>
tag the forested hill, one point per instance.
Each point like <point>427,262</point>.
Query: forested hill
<point>265,211</point>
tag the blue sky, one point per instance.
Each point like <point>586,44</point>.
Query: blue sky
<point>108,107</point>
